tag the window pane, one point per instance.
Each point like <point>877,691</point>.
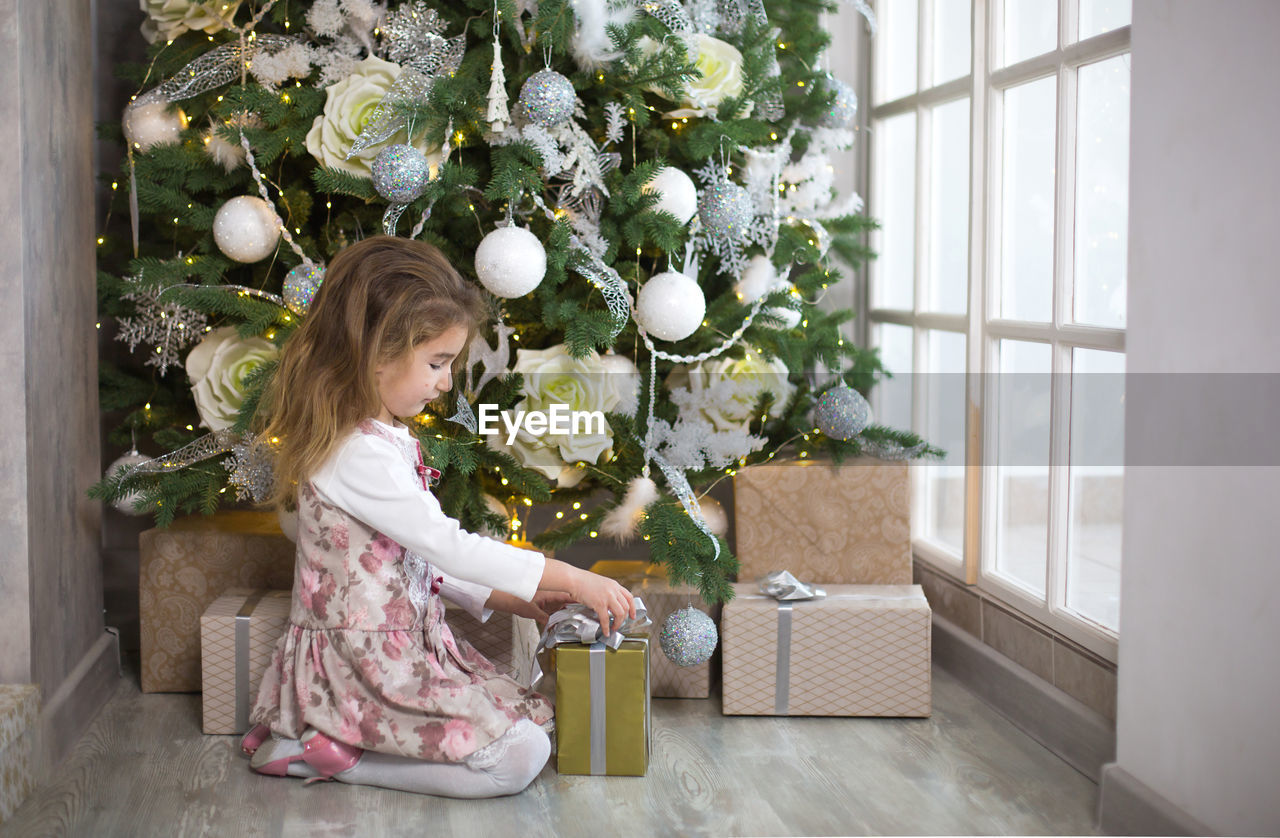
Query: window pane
<point>1030,29</point>
<point>1102,192</point>
<point>948,282</point>
<point>891,399</point>
<point>899,33</point>
<point>1026,230</point>
<point>1097,486</point>
<point>1098,16</point>
<point>1022,454</point>
<point>894,194</point>
<point>944,427</point>
<point>951,39</point>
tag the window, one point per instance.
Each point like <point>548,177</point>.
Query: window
<point>999,173</point>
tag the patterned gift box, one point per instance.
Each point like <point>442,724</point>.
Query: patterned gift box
<point>602,708</point>
<point>863,650</point>
<point>238,633</point>
<point>184,568</point>
<point>648,581</point>
<point>825,523</point>
<point>19,716</point>
<point>506,640</point>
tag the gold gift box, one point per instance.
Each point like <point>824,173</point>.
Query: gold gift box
<point>238,634</point>
<point>602,708</point>
<point>826,523</point>
<point>184,568</point>
<point>649,582</point>
<point>863,650</point>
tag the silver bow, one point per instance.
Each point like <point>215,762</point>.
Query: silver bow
<point>784,587</point>
<point>576,623</point>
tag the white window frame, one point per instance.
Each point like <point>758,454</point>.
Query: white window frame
<point>984,86</point>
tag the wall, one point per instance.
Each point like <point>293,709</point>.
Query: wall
<point>51,632</point>
<point>1197,742</point>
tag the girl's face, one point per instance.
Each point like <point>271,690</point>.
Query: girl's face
<point>406,385</point>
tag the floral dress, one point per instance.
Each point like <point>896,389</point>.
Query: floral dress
<point>367,657</point>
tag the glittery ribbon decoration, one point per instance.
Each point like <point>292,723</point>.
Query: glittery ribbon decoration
<point>670,13</point>
<point>412,38</point>
<point>863,8</point>
<point>733,14</point>
<point>679,485</point>
<point>892,450</point>
<point>241,290</point>
<point>604,278</point>
<point>576,623</point>
<point>209,445</point>
<point>464,415</point>
<point>221,66</point>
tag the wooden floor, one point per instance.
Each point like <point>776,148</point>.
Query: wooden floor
<point>144,769</point>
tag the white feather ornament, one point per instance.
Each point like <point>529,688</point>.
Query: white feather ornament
<point>622,521</point>
<point>592,47</point>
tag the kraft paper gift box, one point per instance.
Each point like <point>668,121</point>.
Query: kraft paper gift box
<point>648,581</point>
<point>826,523</point>
<point>238,633</point>
<point>506,640</point>
<point>19,718</point>
<point>863,650</point>
<point>602,708</point>
<point>184,568</point>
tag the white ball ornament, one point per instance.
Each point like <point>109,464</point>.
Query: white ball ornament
<point>246,229</point>
<point>715,516</point>
<point>288,521</point>
<point>510,262</point>
<point>122,464</point>
<point>670,306</point>
<point>676,193</point>
<point>151,121</point>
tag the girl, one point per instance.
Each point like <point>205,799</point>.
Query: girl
<point>368,684</point>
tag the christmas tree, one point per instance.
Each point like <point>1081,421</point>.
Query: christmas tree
<point>646,190</point>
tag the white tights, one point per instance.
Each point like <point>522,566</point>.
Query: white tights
<point>505,767</point>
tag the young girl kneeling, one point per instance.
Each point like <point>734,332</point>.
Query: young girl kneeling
<point>368,685</point>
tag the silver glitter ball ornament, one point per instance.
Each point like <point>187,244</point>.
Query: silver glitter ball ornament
<point>726,209</point>
<point>844,105</point>
<point>841,413</point>
<point>547,98</point>
<point>400,173</point>
<point>300,287</point>
<point>688,637</point>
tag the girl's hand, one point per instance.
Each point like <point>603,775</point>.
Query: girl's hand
<point>611,602</point>
<point>551,601</point>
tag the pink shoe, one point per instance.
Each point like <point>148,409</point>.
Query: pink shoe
<point>254,739</point>
<point>325,755</point>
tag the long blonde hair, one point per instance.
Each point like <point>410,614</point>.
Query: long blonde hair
<point>381,297</point>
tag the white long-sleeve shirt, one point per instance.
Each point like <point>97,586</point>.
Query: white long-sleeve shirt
<point>369,479</point>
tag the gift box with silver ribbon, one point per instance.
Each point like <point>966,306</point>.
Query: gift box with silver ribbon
<point>238,633</point>
<point>602,693</point>
<point>792,649</point>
